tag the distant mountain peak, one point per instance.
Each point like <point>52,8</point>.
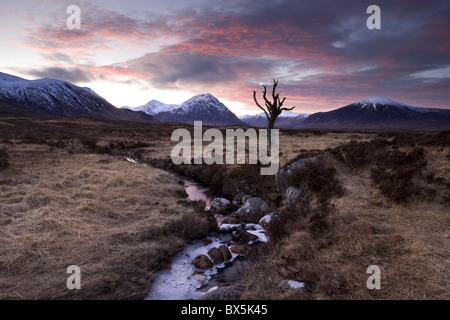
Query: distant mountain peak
<point>202,107</point>
<point>380,100</point>
<point>379,112</point>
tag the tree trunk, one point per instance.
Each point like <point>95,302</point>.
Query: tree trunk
<point>270,125</point>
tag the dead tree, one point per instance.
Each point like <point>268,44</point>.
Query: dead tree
<point>273,108</point>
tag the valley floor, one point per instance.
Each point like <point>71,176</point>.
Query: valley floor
<point>69,197</point>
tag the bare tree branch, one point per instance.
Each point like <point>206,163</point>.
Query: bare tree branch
<point>273,108</point>
<point>259,106</point>
<point>275,83</point>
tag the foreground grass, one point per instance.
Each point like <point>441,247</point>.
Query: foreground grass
<point>68,197</point>
<point>408,240</point>
<point>119,222</point>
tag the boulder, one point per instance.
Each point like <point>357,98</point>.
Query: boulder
<point>239,249</point>
<point>225,252</point>
<point>207,241</point>
<point>215,255</point>
<point>267,219</point>
<point>225,292</point>
<point>220,204</point>
<point>292,194</point>
<point>244,236</point>
<point>283,174</point>
<point>202,262</point>
<point>231,224</point>
<point>252,210</point>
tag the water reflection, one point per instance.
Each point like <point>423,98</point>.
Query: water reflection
<point>197,192</point>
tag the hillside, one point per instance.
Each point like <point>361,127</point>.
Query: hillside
<point>379,113</point>
<point>50,98</point>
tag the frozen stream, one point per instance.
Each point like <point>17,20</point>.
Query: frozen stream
<point>182,280</point>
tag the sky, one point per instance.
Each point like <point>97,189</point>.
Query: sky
<point>321,51</point>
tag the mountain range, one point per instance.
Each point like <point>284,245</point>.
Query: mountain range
<point>50,98</point>
<point>203,107</point>
<point>286,120</point>
<point>379,113</point>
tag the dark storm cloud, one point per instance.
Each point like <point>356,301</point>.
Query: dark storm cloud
<point>67,74</point>
<point>187,68</point>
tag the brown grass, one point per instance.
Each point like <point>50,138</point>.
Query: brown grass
<point>409,242</point>
<point>68,197</point>
<point>119,222</point>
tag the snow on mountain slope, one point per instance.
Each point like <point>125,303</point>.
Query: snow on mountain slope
<point>49,94</point>
<point>7,78</point>
<point>203,101</point>
<point>154,107</point>
<point>375,101</point>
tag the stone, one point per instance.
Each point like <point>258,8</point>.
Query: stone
<point>292,194</point>
<point>202,262</point>
<point>267,219</point>
<point>239,249</point>
<point>215,255</point>
<point>231,220</point>
<point>282,176</point>
<point>225,292</point>
<point>244,236</point>
<point>207,241</point>
<point>252,210</point>
<point>220,204</point>
<point>225,252</point>
<point>291,285</point>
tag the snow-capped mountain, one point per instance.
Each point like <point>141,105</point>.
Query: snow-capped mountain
<point>287,119</point>
<point>57,98</point>
<point>379,113</point>
<point>154,107</point>
<point>203,107</point>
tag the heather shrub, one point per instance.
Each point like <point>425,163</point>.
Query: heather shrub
<point>394,173</point>
<point>317,177</point>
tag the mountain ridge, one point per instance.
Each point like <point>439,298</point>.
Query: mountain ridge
<point>202,107</point>
<point>50,98</point>
<point>286,120</point>
<point>379,113</point>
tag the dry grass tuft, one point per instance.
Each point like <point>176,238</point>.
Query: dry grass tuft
<point>119,222</point>
<point>408,241</point>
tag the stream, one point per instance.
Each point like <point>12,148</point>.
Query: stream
<point>183,281</point>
